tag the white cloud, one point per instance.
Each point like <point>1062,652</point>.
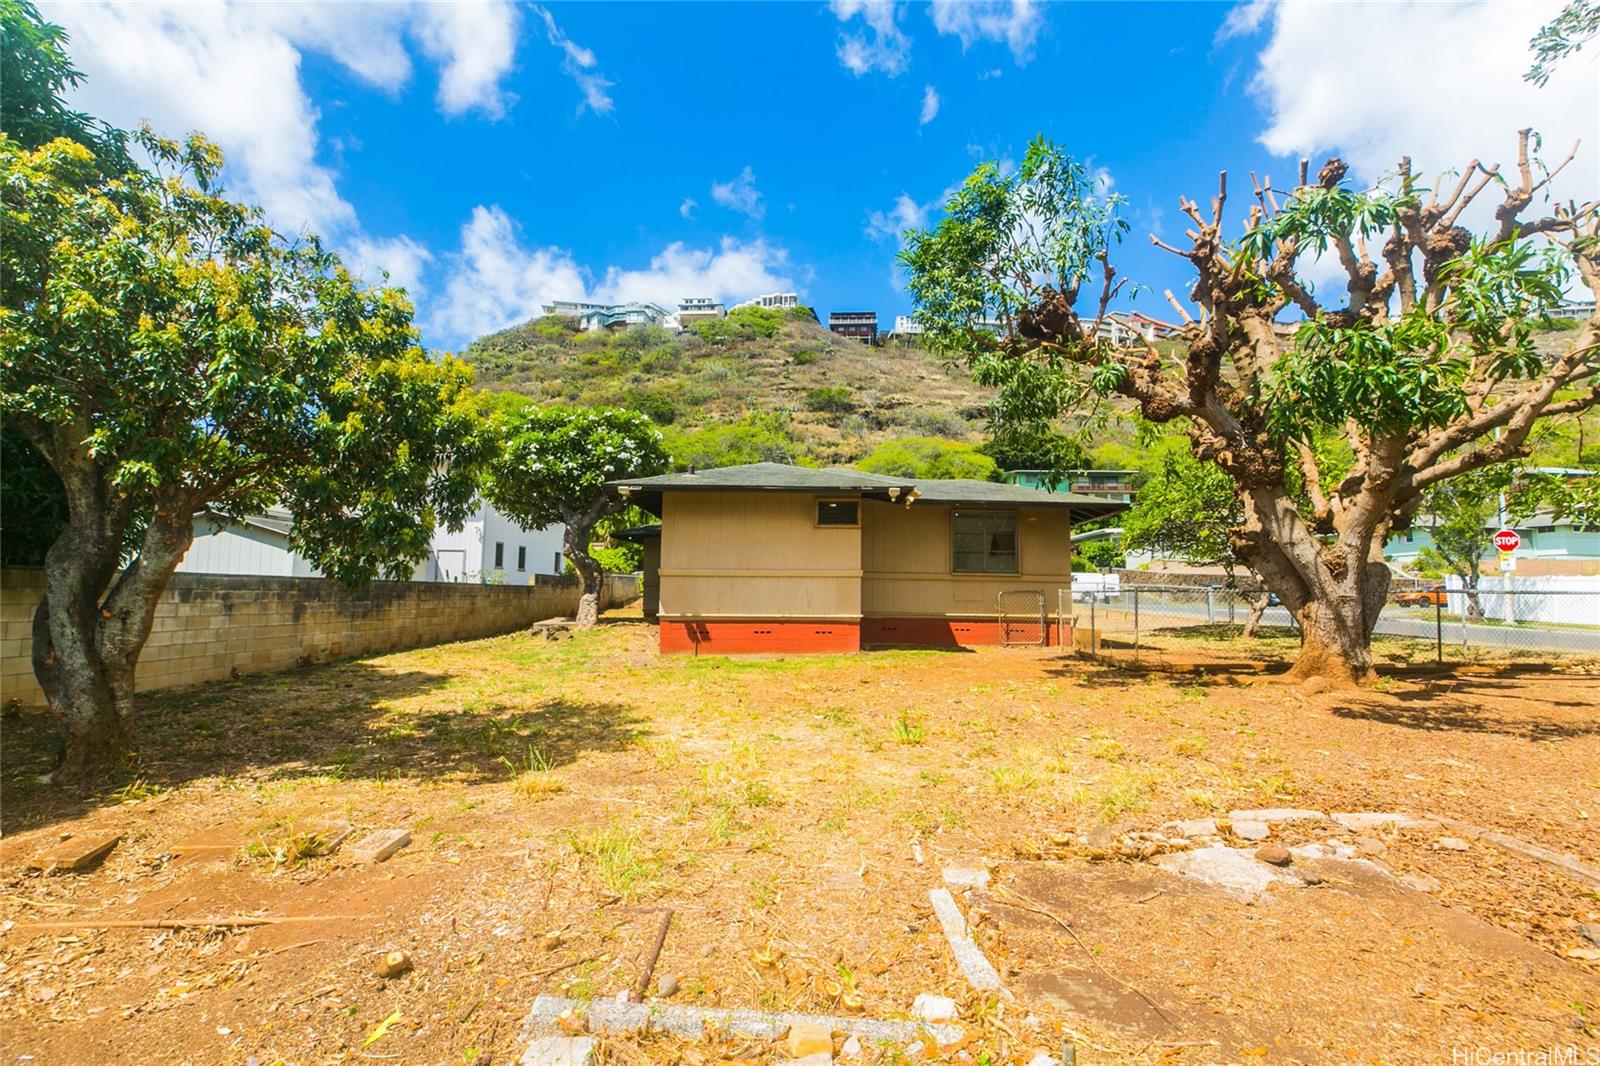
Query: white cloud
<point>578,63</point>
<point>1466,99</point>
<point>232,71</point>
<point>1014,23</point>
<point>476,42</point>
<point>1243,19</point>
<point>930,105</point>
<point>905,214</point>
<point>883,46</point>
<point>740,194</point>
<point>497,281</point>
<point>687,208</point>
<point>734,270</point>
<point>403,259</point>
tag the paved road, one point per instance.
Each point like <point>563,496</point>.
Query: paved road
<point>1155,614</point>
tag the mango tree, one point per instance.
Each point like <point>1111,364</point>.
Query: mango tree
<point>167,355</point>
<point>1423,362</point>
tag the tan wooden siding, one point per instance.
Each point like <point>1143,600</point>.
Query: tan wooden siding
<point>906,561</point>
<point>748,555</point>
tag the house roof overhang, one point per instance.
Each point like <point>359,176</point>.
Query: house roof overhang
<point>780,477</point>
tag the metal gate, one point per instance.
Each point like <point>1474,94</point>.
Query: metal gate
<point>1022,620</point>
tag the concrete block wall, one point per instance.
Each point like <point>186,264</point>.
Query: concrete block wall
<point>213,626</point>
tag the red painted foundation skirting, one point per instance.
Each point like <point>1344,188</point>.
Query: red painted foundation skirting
<point>940,632</point>
<point>736,638</point>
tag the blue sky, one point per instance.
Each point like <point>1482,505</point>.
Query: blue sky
<point>494,156</point>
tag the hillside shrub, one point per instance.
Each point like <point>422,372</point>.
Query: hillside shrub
<point>717,330</point>
<point>929,457</point>
<point>762,321</point>
<point>833,399</point>
<point>755,438</point>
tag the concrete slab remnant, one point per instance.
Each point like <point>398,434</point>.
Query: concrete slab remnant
<point>932,1008</point>
<point>690,1021</point>
<point>1274,815</point>
<point>979,973</point>
<point>1367,821</point>
<point>1245,829</point>
<point>1573,868</point>
<point>1192,827</point>
<point>76,854</point>
<point>1231,870</point>
<point>379,844</point>
<point>966,877</point>
<point>559,1051</point>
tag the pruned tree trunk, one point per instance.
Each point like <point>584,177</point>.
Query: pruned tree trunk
<point>1258,604</point>
<point>575,546</point>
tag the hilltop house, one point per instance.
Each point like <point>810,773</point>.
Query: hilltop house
<point>489,548</point>
<point>692,309</point>
<point>857,325</point>
<point>776,558</point>
<point>621,316</point>
<point>780,301</point>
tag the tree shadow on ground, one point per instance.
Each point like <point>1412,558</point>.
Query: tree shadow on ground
<point>350,721</point>
<point>1116,662</point>
<point>1445,700</point>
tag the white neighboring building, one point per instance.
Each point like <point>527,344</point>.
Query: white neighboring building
<point>777,300</point>
<point>489,548</point>
<point>695,309</point>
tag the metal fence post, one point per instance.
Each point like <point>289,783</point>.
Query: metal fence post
<point>1439,628</point>
<point>1210,618</point>
<point>1136,619</point>
<point>1094,635</point>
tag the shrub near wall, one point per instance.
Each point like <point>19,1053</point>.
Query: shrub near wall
<point>209,627</point>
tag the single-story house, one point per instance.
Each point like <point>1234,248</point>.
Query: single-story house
<point>775,558</point>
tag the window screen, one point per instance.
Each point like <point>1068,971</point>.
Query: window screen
<point>836,512</point>
<point>984,542</point>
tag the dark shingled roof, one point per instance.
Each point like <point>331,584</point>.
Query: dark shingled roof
<point>780,477</point>
<point>772,477</point>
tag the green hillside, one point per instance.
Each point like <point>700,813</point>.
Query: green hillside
<point>836,398</point>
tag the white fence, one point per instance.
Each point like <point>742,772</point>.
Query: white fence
<point>1562,599</point>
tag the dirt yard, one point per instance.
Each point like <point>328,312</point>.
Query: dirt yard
<point>793,814</point>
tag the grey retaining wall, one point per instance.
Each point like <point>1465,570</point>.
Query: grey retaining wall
<point>213,626</point>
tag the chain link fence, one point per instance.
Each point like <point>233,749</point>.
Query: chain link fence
<point>1194,624</point>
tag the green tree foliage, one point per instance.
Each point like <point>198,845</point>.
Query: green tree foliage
<point>929,457</point>
<point>755,438</point>
<point>552,467</point>
<point>167,354</point>
<point>1031,449</point>
<point>761,321</point>
<point>1421,368</point>
<point>1574,27</point>
<point>1185,512</point>
<point>35,73</point>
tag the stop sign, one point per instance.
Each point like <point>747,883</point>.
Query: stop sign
<point>1507,540</point>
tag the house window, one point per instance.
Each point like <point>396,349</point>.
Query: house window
<point>983,542</point>
<point>555,567</point>
<point>499,554</point>
<point>522,557</point>
<point>838,513</point>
